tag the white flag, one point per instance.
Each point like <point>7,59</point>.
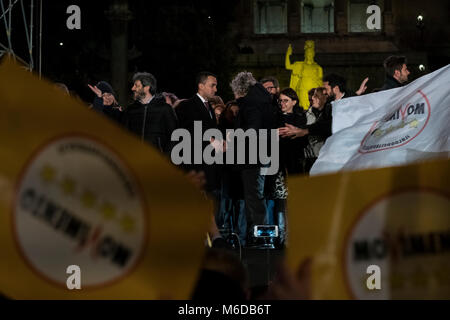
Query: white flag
<point>390,128</point>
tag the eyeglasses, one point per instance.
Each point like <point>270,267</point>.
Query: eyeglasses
<point>284,101</point>
<point>270,88</point>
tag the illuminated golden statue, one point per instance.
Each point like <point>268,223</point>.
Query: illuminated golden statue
<point>305,74</point>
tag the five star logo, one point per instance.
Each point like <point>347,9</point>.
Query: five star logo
<point>398,127</point>
<point>97,221</point>
<point>68,186</point>
<point>108,211</point>
<point>88,199</point>
<point>414,123</point>
<point>48,174</point>
<point>127,223</point>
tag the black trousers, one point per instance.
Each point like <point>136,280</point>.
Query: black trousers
<point>255,204</point>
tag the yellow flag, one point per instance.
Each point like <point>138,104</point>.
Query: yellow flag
<point>85,204</point>
<point>376,234</point>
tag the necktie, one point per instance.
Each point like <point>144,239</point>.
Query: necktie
<point>208,108</point>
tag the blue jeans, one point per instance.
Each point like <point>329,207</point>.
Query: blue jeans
<point>276,215</point>
<point>270,214</point>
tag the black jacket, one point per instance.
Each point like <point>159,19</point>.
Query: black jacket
<point>153,122</point>
<point>193,109</point>
<point>256,111</point>
<point>111,111</point>
<point>188,112</point>
<point>322,126</point>
<point>390,83</point>
<point>291,150</point>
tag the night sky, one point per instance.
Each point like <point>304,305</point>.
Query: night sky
<point>171,39</point>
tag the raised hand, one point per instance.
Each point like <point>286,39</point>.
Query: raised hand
<point>96,90</point>
<point>289,50</point>
<point>362,87</point>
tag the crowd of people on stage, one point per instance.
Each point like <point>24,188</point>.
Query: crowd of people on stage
<point>245,197</point>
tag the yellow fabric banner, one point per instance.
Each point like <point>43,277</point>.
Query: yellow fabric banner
<point>76,190</point>
<point>376,234</point>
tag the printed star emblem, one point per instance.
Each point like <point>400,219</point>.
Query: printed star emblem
<point>88,199</point>
<point>68,186</point>
<point>390,129</point>
<point>378,133</point>
<point>414,124</point>
<point>48,174</point>
<point>127,223</point>
<point>108,211</point>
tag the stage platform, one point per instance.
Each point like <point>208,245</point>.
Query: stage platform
<point>261,264</point>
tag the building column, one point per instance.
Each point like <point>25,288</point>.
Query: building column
<point>119,15</point>
<point>293,17</point>
<point>340,9</point>
<point>388,18</point>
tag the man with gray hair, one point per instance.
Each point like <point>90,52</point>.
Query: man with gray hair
<point>255,112</point>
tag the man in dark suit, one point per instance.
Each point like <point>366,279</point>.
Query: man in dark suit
<point>255,113</point>
<point>195,109</point>
<point>198,108</point>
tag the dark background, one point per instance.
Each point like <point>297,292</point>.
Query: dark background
<point>173,40</point>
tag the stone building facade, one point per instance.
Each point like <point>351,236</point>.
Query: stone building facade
<point>417,29</point>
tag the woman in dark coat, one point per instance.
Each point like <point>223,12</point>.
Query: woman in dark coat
<point>291,150</point>
<point>291,155</point>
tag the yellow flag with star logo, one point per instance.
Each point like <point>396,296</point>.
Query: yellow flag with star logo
<point>374,234</point>
<point>87,211</point>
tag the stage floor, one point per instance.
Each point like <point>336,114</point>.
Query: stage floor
<point>261,264</point>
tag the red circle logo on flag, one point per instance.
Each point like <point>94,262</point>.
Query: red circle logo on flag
<point>400,127</point>
<point>77,203</point>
